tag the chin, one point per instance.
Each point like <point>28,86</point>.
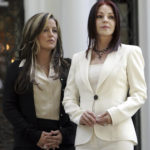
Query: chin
<point>106,34</point>
<point>51,46</point>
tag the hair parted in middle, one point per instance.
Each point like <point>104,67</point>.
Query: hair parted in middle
<point>29,48</point>
<point>92,33</point>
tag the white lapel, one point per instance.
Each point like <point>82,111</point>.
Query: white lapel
<point>111,61</point>
<point>84,68</point>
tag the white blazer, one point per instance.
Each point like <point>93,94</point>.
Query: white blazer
<point>122,71</point>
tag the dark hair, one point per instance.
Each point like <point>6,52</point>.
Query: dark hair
<point>29,47</point>
<point>92,33</point>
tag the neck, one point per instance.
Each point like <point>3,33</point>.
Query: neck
<point>103,43</point>
<point>43,57</point>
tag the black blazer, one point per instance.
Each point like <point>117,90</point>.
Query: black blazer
<point>20,111</point>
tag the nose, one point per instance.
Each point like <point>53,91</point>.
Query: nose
<point>105,19</point>
<point>50,33</point>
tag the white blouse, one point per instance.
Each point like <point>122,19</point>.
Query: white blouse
<point>94,73</point>
<point>46,94</point>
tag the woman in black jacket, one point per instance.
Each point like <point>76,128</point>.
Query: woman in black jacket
<point>34,87</point>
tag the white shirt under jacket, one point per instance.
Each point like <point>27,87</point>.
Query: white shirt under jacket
<point>122,71</point>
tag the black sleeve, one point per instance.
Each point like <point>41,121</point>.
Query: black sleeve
<point>68,133</point>
<point>11,108</point>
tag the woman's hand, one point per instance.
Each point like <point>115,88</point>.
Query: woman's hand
<point>56,138</point>
<point>88,118</point>
<point>50,140</point>
<point>104,119</point>
<point>43,139</point>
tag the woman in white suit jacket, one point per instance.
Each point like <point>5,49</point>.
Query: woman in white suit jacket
<point>96,96</point>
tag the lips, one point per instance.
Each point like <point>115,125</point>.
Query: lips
<point>105,27</point>
<point>51,41</point>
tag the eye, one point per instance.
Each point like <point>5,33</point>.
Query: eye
<point>46,30</point>
<point>111,17</point>
<point>99,16</point>
<point>54,30</point>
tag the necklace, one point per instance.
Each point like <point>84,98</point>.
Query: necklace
<point>100,53</point>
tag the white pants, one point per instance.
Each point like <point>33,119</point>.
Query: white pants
<point>98,144</point>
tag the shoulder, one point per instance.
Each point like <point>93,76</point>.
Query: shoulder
<point>65,62</point>
<point>64,68</point>
<point>68,60</point>
<point>133,53</point>
<point>79,56</point>
<point>12,72</point>
<point>13,69</point>
<point>130,48</point>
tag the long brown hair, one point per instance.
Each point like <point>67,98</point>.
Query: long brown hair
<point>92,33</point>
<point>29,47</point>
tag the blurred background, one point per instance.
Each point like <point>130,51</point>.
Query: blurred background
<point>72,16</point>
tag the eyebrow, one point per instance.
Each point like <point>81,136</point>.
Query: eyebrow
<point>48,26</point>
<point>108,13</point>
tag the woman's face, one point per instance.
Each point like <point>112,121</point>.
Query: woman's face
<point>105,21</point>
<point>48,37</point>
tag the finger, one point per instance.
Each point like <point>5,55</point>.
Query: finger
<point>45,147</point>
<point>90,117</point>
<point>53,146</point>
<point>85,120</point>
<point>102,115</point>
<point>108,118</point>
<point>92,114</point>
<point>57,139</point>
<point>101,121</point>
<point>56,146</point>
<point>105,120</point>
<point>55,132</point>
<point>51,141</point>
<point>45,133</point>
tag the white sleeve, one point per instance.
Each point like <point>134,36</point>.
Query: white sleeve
<point>137,88</point>
<point>71,95</point>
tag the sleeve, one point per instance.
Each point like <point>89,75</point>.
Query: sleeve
<point>137,88</point>
<point>11,108</point>
<point>68,133</point>
<point>71,95</point>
